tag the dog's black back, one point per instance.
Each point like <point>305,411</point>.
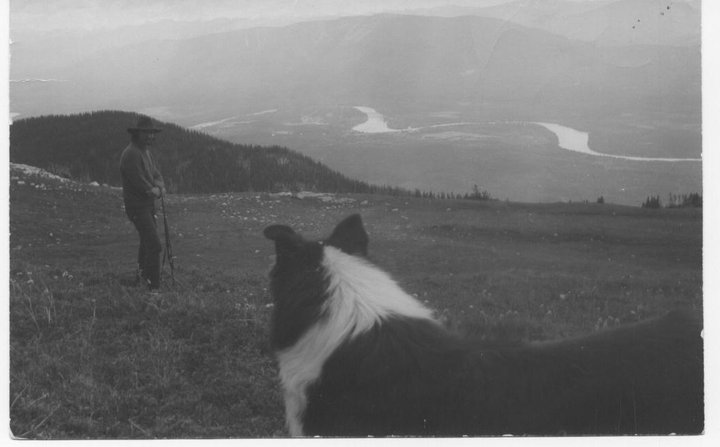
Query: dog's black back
<point>404,374</point>
<point>405,378</point>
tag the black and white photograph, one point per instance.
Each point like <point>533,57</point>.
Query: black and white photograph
<point>456,220</point>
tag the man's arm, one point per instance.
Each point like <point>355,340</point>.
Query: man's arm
<point>157,176</point>
<point>134,171</point>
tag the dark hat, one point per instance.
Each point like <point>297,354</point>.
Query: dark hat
<point>144,124</point>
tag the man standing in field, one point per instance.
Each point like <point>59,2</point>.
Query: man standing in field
<point>142,185</point>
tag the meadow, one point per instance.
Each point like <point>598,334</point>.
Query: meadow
<point>93,356</point>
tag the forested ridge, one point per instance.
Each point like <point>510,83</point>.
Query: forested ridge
<point>87,147</point>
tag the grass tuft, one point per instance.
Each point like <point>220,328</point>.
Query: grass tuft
<point>101,360</point>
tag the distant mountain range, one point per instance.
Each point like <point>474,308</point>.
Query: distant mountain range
<point>393,61</point>
<point>88,147</point>
<point>627,72</point>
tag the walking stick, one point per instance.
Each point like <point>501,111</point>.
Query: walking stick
<point>167,255</point>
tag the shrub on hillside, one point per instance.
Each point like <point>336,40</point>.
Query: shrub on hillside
<point>478,194</point>
<point>693,200</point>
<point>652,202</point>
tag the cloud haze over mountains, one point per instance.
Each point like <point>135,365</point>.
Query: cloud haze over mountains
<point>462,54</point>
<point>41,15</point>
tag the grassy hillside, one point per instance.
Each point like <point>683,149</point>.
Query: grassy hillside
<point>91,356</point>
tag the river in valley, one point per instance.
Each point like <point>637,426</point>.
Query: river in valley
<point>568,138</point>
<point>577,141</point>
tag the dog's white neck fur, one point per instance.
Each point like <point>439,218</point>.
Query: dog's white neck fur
<point>359,296</point>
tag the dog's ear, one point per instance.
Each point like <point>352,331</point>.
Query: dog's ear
<point>286,240</point>
<point>350,236</point>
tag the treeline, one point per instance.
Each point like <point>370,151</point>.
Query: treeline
<point>693,200</point>
<point>87,147</point>
<point>476,194</point>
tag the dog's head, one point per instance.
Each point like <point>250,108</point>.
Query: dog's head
<point>297,281</point>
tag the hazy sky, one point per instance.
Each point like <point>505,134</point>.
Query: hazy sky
<point>26,15</point>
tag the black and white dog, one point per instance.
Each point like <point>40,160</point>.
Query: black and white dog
<point>358,356</point>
